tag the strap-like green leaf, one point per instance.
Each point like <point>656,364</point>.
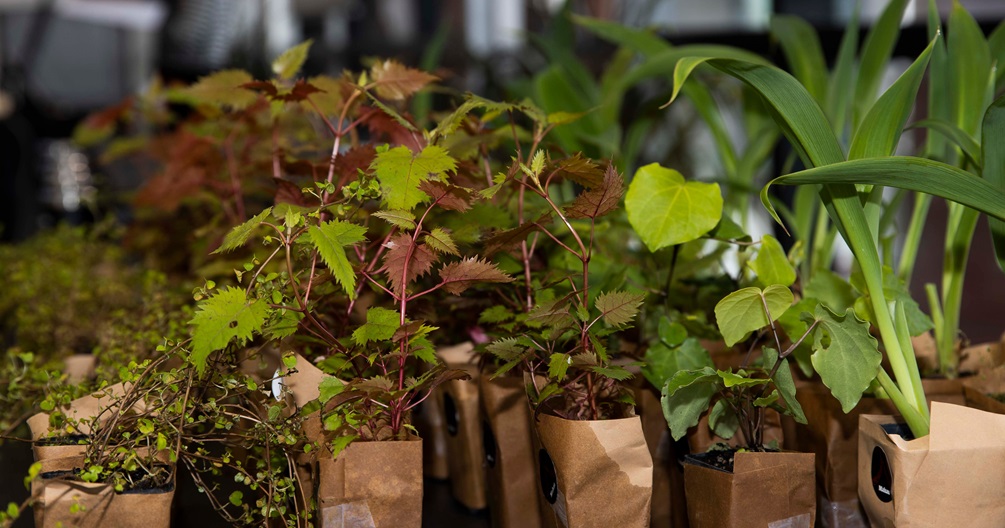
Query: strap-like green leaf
<point>640,40</point>
<point>801,46</point>
<point>876,53</point>
<point>969,66</point>
<point>993,153</point>
<point>965,141</point>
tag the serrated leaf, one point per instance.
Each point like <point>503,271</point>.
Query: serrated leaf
<point>558,365</point>
<point>240,234</point>
<point>508,349</point>
<point>329,388</point>
<point>685,397</point>
<point>496,314</point>
<point>513,237</point>
<point>548,313</point>
<point>330,239</point>
<point>742,311</point>
<point>400,173</point>
<point>285,325</point>
<point>222,88</point>
<point>537,164</point>
<point>381,324</point>
<point>662,361</point>
<point>226,316</point>
<point>287,65</point>
<point>599,201</point>
<point>440,241</point>
<point>461,275</point>
<point>402,219</point>
<point>618,307</point>
<point>399,250</point>
<point>448,196</point>
<point>845,355</point>
<point>581,170</point>
<point>665,210</point>
<point>771,264</point>
<point>614,372</point>
<point>397,82</point>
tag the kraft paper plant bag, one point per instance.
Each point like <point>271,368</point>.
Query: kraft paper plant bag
<point>955,476</point>
<point>82,409</point>
<point>979,389</point>
<point>462,418</point>
<point>669,507</point>
<point>769,489</point>
<point>832,436</point>
<point>594,472</point>
<point>66,502</point>
<point>79,367</point>
<point>372,485</point>
<point>302,385</point>
<point>432,427</point>
<point>509,453</point>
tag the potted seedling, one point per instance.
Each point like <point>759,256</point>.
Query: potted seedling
<point>749,484</point>
<point>871,165</point>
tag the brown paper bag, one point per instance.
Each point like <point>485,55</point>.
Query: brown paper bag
<point>509,454</point>
<point>669,507</point>
<point>372,485</point>
<point>82,409</point>
<point>979,389</point>
<point>432,427</point>
<point>299,386</point>
<point>773,490</point>
<point>981,357</point>
<point>462,417</point>
<point>79,368</point>
<point>952,477</point>
<point>594,472</point>
<point>96,505</point>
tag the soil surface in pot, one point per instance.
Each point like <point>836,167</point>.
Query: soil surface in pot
<point>143,481</point>
<point>720,459</point>
<point>69,440</point>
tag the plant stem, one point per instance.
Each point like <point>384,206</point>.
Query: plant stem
<point>912,240</point>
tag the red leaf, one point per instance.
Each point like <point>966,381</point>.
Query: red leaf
<point>461,275</point>
<point>447,196</point>
<point>397,82</point>
<point>387,128</point>
<point>420,261</point>
<point>512,237</point>
<point>189,160</point>
<point>348,163</point>
<point>598,201</point>
<point>299,92</point>
<point>581,170</point>
<point>262,86</point>
<point>290,193</point>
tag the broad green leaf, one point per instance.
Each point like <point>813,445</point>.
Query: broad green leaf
<point>665,210</point>
<point>402,219</point>
<point>329,388</point>
<point>906,172</point>
<point>381,324</point>
<point>662,361</point>
<point>685,397</point>
<point>801,46</point>
<point>845,355</point>
<point>722,420</point>
<point>993,154</point>
<point>220,319</point>
<point>772,265</point>
<point>831,290</point>
<point>785,384</point>
<point>671,333</point>
<point>287,65</point>
<point>240,234</point>
<point>880,130</point>
<point>558,365</point>
<point>731,379</point>
<point>330,239</point>
<point>618,307</point>
<point>742,311</point>
<point>876,51</point>
<point>400,172</point>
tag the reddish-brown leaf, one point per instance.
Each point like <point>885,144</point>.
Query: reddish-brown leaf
<point>290,193</point>
<point>447,196</point>
<point>399,250</point>
<point>299,92</point>
<point>581,170</point>
<point>349,162</point>
<point>386,128</point>
<point>510,238</point>
<point>268,87</point>
<point>461,275</point>
<point>189,160</point>
<point>598,201</point>
<point>397,82</point>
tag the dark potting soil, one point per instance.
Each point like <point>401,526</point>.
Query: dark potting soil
<point>718,459</point>
<point>145,485</point>
<point>899,429</point>
<point>76,439</point>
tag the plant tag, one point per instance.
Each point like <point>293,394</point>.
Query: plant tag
<point>277,385</point>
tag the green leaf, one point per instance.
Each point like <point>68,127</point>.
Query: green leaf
<point>742,311</point>
<point>226,316</point>
<point>330,387</point>
<point>237,498</point>
<point>381,324</point>
<point>772,265</point>
<point>671,333</point>
<point>831,290</point>
<point>876,52</point>
<point>287,65</point>
<point>439,239</point>
<point>880,130</point>
<point>240,234</point>
<point>330,238</point>
<point>685,397</point>
<point>969,60</point>
<point>558,365</point>
<point>662,361</point>
<point>402,219</point>
<point>993,161</point>
<point>722,420</point>
<point>643,41</point>
<point>845,355</point>
<point>222,88</point>
<point>730,379</point>
<point>785,384</point>
<point>801,46</point>
<point>400,173</point>
<point>496,314</point>
<point>665,210</point>
<point>906,172</point>
<point>971,149</point>
<point>618,307</point>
